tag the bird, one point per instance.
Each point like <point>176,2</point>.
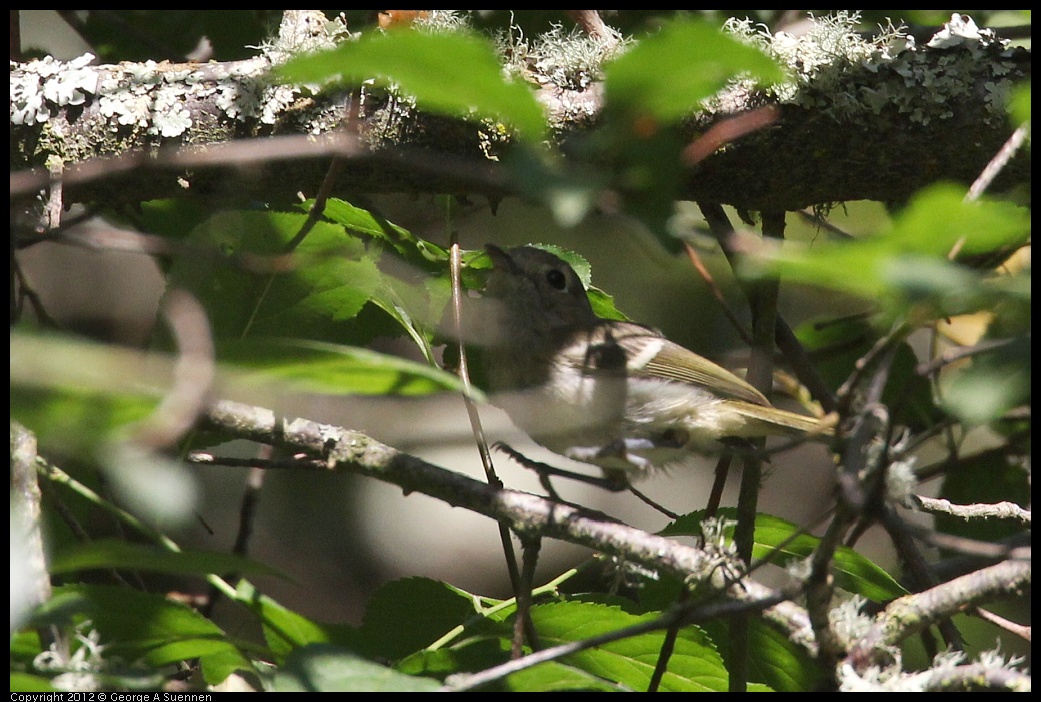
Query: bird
<point>615,394</point>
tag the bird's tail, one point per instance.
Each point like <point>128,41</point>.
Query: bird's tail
<point>785,422</point>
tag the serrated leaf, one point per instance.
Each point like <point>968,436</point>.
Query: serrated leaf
<point>326,668</point>
<point>409,247</point>
<point>781,541</point>
<point>694,666</point>
<point>451,73</point>
<point>120,555</point>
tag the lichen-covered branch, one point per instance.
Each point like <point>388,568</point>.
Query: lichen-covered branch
<point>913,613</point>
<point>859,120</point>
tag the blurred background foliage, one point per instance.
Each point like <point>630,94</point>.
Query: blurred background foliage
<point>351,334</point>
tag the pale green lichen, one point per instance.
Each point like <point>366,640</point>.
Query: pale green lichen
<point>78,667</point>
<point>47,84</point>
<point>892,678</point>
<point>155,98</point>
<point>568,59</point>
<point>848,620</point>
<point>836,71</point>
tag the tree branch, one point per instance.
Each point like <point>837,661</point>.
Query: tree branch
<point>877,128</point>
<point>341,449</point>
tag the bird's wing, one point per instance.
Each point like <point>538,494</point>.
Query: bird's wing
<point>643,352</point>
<point>674,362</point>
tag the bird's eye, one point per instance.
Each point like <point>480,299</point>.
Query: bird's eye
<point>556,279</point>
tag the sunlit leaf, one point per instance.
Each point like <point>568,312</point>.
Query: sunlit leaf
<point>667,74</point>
<point>452,73</point>
<point>908,264</point>
<point>694,666</point>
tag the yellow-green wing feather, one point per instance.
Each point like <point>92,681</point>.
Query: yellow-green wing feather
<point>677,363</point>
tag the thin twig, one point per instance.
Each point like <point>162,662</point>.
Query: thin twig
<point>713,287</point>
<point>340,449</point>
<point>1000,160</point>
<point>999,510</point>
<point>952,355</point>
<point>512,568</point>
<point>522,624</point>
<point>1020,630</point>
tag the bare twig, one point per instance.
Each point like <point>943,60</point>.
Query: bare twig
<point>1000,160</point>
<point>1000,510</point>
<point>593,24</point>
<point>953,355</point>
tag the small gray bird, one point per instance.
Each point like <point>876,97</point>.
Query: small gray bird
<point>614,394</point>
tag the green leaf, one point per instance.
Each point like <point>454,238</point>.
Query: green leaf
<point>780,540</point>
<point>468,655</point>
<point>23,682</point>
<point>328,280</point>
<point>773,659</point>
<point>120,555</point>
<point>326,668</point>
<point>326,290</point>
<point>694,666</point>
<point>992,385</point>
<point>1020,104</point>
<point>667,74</point>
<point>137,625</point>
<point>332,369</point>
<point>410,248</point>
<point>286,630</point>
<point>407,615</point>
<point>559,677</point>
<point>907,264</point>
<point>451,73</point>
<point>78,395</point>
